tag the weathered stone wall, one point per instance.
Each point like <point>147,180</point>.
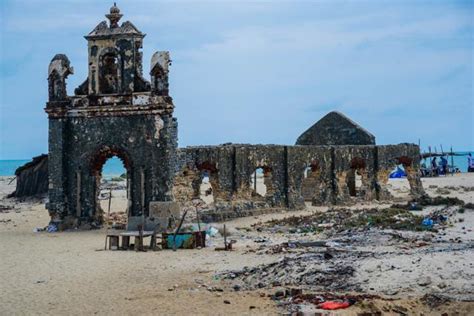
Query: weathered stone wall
<point>337,174</point>
<point>114,112</point>
<point>145,144</point>
<point>320,184</point>
<point>389,156</point>
<point>329,170</point>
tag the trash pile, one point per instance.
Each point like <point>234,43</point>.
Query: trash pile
<point>318,271</point>
<point>338,220</point>
<point>294,298</point>
<point>418,204</point>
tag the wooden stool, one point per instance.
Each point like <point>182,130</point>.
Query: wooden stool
<point>113,242</point>
<point>125,242</point>
<point>139,239</point>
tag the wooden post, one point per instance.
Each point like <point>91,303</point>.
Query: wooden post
<point>197,218</point>
<point>107,219</point>
<point>78,193</point>
<point>442,153</point>
<point>142,190</point>
<point>139,241</point>
<point>452,161</point>
<point>177,229</point>
<point>255,181</point>
<point>429,162</point>
<point>225,238</point>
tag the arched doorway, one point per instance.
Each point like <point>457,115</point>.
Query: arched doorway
<point>109,73</point>
<point>402,179</point>
<point>114,193</point>
<point>206,183</point>
<point>354,178</point>
<point>206,191</point>
<point>112,172</point>
<point>261,182</point>
<point>311,182</point>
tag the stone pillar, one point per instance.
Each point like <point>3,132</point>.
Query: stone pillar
<point>414,180</point>
<point>57,205</point>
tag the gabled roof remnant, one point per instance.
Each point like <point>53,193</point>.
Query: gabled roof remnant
<point>336,129</point>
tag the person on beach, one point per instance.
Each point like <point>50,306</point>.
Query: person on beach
<point>444,165</point>
<point>470,163</point>
<point>434,167</point>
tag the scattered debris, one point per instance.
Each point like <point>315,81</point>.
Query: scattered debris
<point>434,300</point>
<point>331,305</point>
<point>309,269</point>
<point>345,219</point>
<point>6,208</point>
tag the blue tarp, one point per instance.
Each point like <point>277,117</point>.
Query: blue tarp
<point>399,173</point>
<point>180,240</point>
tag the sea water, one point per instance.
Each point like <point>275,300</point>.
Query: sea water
<point>114,166</point>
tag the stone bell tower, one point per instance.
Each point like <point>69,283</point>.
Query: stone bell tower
<point>115,59</point>
<point>114,112</point>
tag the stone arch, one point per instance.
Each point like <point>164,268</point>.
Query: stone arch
<point>356,176</point>
<point>311,180</point>
<point>105,152</point>
<point>210,170</point>
<point>160,80</point>
<point>96,163</point>
<point>160,63</point>
<point>110,71</point>
<point>267,182</point>
<point>58,70</point>
<point>413,177</point>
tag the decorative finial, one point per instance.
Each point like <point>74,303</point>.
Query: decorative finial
<point>114,16</point>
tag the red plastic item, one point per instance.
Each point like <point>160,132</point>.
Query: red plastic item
<point>330,305</point>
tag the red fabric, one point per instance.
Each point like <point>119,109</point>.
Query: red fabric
<point>334,305</point>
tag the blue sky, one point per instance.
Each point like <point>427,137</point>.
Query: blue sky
<point>261,71</point>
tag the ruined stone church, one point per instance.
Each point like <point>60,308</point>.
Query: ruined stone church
<point>118,112</point>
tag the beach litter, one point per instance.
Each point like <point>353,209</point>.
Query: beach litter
<point>427,222</point>
<point>332,305</point>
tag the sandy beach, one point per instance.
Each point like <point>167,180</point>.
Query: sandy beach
<point>70,273</point>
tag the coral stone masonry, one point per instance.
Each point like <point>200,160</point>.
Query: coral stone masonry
<point>115,112</point>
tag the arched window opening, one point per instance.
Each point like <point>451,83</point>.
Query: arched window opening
<point>109,74</point>
<point>310,183</point>
<point>397,182</point>
<point>261,181</point>
<point>160,80</point>
<point>205,189</point>
<point>307,172</point>
<point>354,176</point>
